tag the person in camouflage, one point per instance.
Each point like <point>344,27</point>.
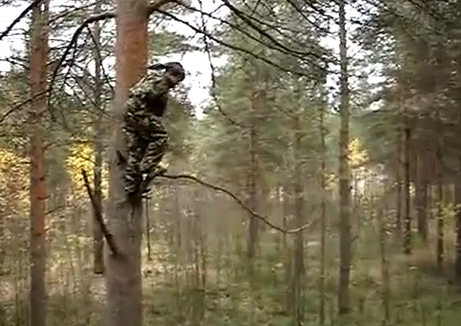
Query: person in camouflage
<point>146,138</point>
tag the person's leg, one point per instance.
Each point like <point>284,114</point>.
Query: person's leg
<point>156,148</point>
<point>135,151</point>
<point>158,145</point>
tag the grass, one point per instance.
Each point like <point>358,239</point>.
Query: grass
<point>419,294</point>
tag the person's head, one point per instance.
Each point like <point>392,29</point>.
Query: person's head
<point>173,72</point>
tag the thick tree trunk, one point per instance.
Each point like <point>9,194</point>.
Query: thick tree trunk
<point>123,272</point>
<point>344,174</point>
<point>38,193</point>
<point>98,240</point>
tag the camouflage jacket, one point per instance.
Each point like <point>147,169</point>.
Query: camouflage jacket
<point>147,100</point>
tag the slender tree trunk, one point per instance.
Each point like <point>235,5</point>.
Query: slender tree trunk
<point>385,291</point>
<point>323,220</point>
<point>38,193</point>
<point>421,199</point>
<point>252,192</point>
<point>458,191</point>
<point>440,204</point>
<point>344,173</point>
<point>458,212</point>
<point>123,272</point>
<point>286,247</point>
<point>298,259</point>
<point>407,246</point>
<point>148,244</point>
<point>399,192</point>
<point>98,241</point>
<point>2,237</point>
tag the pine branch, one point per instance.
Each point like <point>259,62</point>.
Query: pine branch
<point>74,39</point>
<point>153,7</point>
<point>97,210</point>
<point>264,219</point>
<point>214,84</point>
<point>20,17</point>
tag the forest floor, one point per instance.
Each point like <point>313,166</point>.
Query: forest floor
<point>418,293</point>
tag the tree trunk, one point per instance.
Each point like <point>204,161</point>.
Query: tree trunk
<point>421,199</point>
<point>286,246</point>
<point>458,213</point>
<point>399,192</point>
<point>344,173</point>
<point>298,259</point>
<point>406,186</point>
<point>440,204</point>
<point>148,242</point>
<point>98,241</point>
<point>252,192</point>
<point>323,219</point>
<point>38,193</point>
<point>123,272</point>
<point>385,291</point>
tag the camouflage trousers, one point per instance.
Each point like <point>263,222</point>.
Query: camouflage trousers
<point>146,146</point>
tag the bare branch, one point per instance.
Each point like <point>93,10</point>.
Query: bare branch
<point>19,106</point>
<point>303,56</point>
<point>97,210</point>
<point>213,74</point>
<point>238,201</point>
<point>103,16</point>
<point>21,16</point>
<point>154,6</point>
<point>98,50</point>
<point>266,35</point>
<point>70,45</point>
<point>235,47</point>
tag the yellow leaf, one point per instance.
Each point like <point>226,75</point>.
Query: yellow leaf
<point>82,158</point>
<point>357,155</point>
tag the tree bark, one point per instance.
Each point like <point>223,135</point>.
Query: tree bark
<point>38,192</point>
<point>123,272</point>
<point>344,173</point>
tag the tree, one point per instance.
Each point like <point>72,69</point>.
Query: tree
<point>124,288</point>
<point>98,240</point>
<point>123,277</point>
<point>344,172</point>
<point>38,59</point>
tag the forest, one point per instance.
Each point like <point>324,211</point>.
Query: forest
<point>313,172</point>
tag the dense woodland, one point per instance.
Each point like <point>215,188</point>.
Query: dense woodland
<point>317,184</point>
